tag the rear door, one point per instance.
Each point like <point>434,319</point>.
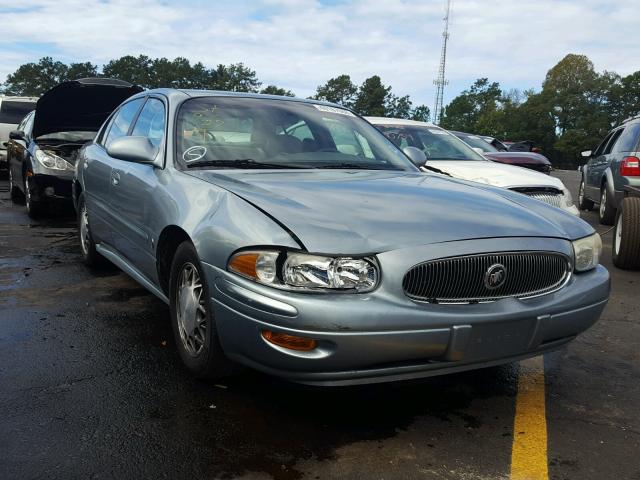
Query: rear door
<point>98,168</point>
<point>595,169</point>
<point>133,194</point>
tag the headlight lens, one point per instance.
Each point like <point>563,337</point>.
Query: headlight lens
<point>587,252</point>
<point>301,271</point>
<point>52,161</point>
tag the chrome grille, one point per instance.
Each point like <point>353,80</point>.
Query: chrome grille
<point>462,279</point>
<point>548,195</point>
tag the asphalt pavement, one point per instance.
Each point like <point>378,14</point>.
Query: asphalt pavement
<point>91,386</point>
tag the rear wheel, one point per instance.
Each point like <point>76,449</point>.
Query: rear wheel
<point>626,240</point>
<point>90,255</point>
<point>606,213</point>
<point>583,202</point>
<point>192,319</point>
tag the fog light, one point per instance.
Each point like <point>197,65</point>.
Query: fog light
<point>49,191</point>
<point>289,341</point>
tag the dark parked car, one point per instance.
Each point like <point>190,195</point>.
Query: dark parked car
<point>291,236</point>
<point>612,166</point>
<point>42,151</point>
<point>526,159</point>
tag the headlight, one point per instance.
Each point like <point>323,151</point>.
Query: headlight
<point>568,199</point>
<point>301,271</point>
<point>586,252</point>
<point>50,160</point>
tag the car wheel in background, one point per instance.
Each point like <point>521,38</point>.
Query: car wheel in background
<point>192,319</point>
<point>626,238</point>
<point>90,255</point>
<point>583,202</point>
<point>606,213</point>
<point>14,191</point>
<point>34,209</point>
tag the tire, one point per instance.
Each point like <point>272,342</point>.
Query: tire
<point>583,202</point>
<point>626,237</point>
<point>90,255</point>
<point>14,191</point>
<point>193,323</point>
<point>606,213</point>
<point>34,209</point>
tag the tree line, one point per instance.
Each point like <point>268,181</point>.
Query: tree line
<point>371,98</point>
<point>572,112</point>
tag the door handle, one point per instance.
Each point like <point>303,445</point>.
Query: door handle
<point>115,178</point>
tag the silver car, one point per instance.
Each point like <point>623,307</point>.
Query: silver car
<point>291,236</point>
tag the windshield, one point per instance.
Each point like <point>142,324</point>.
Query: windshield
<point>436,143</point>
<point>242,132</point>
<point>478,142</point>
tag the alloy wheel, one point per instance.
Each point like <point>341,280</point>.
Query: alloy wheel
<point>603,202</point>
<point>618,235</point>
<point>581,194</point>
<point>191,310</point>
<point>85,233</point>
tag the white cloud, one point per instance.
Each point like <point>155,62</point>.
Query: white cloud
<point>299,44</point>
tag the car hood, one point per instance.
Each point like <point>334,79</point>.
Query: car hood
<point>518,157</point>
<point>80,105</point>
<point>496,174</point>
<point>358,212</point>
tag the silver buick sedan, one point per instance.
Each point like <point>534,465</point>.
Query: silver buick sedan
<point>292,237</point>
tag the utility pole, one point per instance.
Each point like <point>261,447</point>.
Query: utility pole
<point>440,82</point>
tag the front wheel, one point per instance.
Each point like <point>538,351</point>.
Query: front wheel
<point>34,208</point>
<point>583,202</point>
<point>606,213</point>
<point>14,191</point>
<point>192,319</point>
<point>626,239</point>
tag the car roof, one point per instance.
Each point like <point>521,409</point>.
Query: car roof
<point>169,92</point>
<point>399,121</point>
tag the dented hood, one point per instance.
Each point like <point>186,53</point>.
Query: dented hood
<point>355,212</point>
<point>80,105</point>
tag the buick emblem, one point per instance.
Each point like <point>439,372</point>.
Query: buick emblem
<point>495,276</point>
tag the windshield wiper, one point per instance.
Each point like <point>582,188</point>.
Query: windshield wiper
<point>238,163</point>
<point>437,170</point>
<point>358,166</point>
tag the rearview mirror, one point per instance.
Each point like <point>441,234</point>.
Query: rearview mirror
<point>417,156</point>
<point>133,149</point>
<point>586,153</point>
<point>17,135</point>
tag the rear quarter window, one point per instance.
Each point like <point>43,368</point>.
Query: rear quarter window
<point>628,140</point>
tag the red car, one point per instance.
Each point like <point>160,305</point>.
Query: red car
<point>519,158</point>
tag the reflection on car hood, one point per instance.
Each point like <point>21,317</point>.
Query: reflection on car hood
<point>496,174</point>
<point>80,105</point>
<point>518,157</point>
<point>355,212</point>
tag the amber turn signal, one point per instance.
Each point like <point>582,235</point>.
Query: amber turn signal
<point>245,264</point>
<point>289,341</point>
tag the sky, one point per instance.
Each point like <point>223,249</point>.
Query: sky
<point>299,44</point>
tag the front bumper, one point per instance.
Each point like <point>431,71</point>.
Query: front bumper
<point>51,188</point>
<point>383,336</point>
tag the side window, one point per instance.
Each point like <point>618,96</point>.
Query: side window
<point>28,125</point>
<point>603,144</point>
<point>151,122</point>
<point>612,141</point>
<point>628,140</point>
<point>122,120</point>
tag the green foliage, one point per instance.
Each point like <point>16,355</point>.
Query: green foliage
<point>421,113</point>
<point>340,90</point>
<point>576,107</point>
<point>372,98</point>
<point>273,90</point>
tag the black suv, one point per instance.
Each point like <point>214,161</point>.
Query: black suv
<point>614,165</point>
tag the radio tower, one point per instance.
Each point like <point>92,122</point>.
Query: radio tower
<point>440,82</point>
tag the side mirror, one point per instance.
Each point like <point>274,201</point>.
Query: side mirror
<point>478,150</point>
<point>417,156</point>
<point>133,149</point>
<point>17,135</point>
<point>586,153</point>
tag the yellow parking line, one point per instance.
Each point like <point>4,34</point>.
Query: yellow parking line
<point>529,450</point>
